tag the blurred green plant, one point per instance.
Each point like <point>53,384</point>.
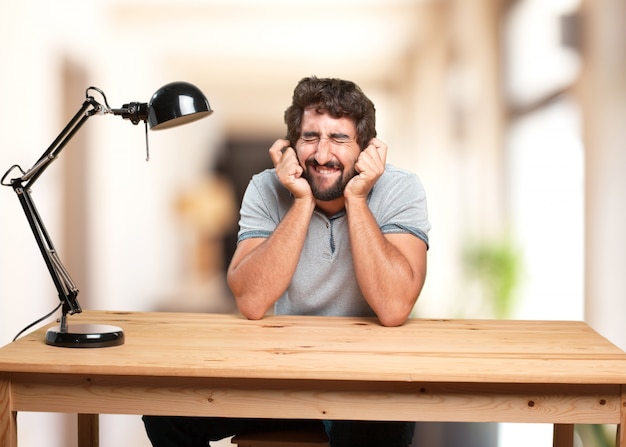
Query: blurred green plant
<point>496,264</point>
<point>597,435</point>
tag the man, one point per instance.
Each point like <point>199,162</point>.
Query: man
<point>331,230</point>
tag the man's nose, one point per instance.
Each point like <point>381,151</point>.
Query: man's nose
<point>323,152</point>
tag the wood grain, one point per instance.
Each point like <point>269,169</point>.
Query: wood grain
<point>333,348</point>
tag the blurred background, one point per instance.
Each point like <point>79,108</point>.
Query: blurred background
<point>512,112</point>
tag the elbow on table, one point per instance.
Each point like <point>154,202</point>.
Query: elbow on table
<point>249,310</point>
<point>393,320</point>
<point>395,314</point>
<point>253,315</point>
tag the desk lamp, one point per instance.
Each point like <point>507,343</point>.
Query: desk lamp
<point>173,104</point>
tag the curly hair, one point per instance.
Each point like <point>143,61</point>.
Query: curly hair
<point>337,97</point>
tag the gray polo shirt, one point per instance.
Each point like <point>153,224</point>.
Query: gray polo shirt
<point>324,282</point>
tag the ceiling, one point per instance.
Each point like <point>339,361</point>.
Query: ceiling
<point>254,52</point>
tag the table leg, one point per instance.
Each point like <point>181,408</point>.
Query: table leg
<point>620,440</point>
<point>8,417</point>
<point>88,430</point>
<point>563,435</point>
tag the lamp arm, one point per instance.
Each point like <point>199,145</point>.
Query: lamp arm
<point>61,140</point>
<point>63,282</point>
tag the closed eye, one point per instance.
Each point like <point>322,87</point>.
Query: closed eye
<point>335,138</point>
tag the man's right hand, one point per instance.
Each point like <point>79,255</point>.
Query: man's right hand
<point>288,169</point>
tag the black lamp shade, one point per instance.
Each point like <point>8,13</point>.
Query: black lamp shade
<point>177,103</point>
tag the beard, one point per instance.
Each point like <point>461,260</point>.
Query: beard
<point>333,191</point>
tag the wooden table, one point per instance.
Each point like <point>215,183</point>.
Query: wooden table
<point>558,372</point>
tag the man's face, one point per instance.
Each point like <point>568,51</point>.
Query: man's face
<point>327,150</point>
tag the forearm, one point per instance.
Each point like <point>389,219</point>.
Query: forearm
<point>390,275</point>
<point>258,277</point>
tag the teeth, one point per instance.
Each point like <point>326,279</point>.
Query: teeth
<point>325,171</point>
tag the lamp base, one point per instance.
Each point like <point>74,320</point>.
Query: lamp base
<point>85,336</point>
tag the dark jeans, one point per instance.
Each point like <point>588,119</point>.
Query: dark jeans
<point>167,431</point>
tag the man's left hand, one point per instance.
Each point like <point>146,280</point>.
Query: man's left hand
<point>369,166</point>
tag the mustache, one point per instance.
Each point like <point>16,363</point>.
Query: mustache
<point>311,162</point>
